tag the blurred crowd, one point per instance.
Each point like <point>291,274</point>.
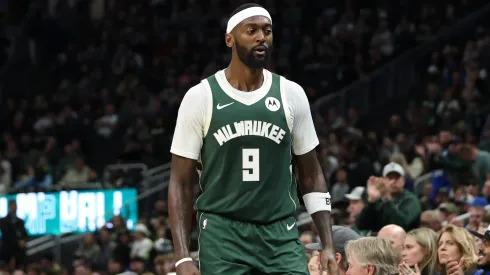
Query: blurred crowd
<point>99,82</point>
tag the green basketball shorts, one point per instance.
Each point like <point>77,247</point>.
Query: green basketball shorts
<point>228,247</point>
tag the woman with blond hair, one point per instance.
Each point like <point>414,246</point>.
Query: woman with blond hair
<point>371,256</point>
<point>419,252</point>
<point>456,252</point>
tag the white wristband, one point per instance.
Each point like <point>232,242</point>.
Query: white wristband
<point>317,201</point>
<point>183,261</point>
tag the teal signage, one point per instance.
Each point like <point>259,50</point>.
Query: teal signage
<point>72,211</point>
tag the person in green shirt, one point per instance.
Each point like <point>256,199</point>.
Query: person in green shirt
<point>356,204</point>
<point>388,202</point>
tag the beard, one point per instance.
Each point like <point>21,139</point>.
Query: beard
<point>250,59</point>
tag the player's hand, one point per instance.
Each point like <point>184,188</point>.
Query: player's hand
<point>329,262</point>
<point>187,268</point>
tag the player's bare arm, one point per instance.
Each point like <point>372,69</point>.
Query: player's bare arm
<point>313,185</point>
<point>180,199</point>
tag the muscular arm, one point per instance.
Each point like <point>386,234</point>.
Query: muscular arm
<point>186,147</point>
<point>311,179</point>
<point>180,195</point>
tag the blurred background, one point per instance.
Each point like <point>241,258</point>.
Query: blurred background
<point>90,89</point>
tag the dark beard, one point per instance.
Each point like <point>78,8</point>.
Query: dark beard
<point>250,60</point>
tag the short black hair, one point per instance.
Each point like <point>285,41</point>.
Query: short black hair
<point>243,7</point>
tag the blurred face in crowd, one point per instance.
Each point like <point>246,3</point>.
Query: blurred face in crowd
<point>104,235</point>
<point>476,216</point>
<point>486,189</point>
<point>82,270</point>
<point>448,249</point>
<point>396,183</point>
<point>12,207</point>
<point>341,176</point>
<point>113,266</point>
<point>412,252</point>
<point>137,266</point>
<point>355,207</point>
<point>444,138</point>
<point>252,40</point>
<point>430,220</point>
<point>484,252</point>
<point>163,265</point>
<point>306,237</point>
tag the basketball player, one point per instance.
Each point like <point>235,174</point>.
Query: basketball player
<point>241,126</point>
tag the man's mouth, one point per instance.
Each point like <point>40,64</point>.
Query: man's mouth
<point>481,254</point>
<point>260,50</point>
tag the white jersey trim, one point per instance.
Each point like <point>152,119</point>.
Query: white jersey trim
<point>209,107</point>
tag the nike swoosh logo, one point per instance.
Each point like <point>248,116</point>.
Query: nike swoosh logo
<point>219,107</point>
<point>290,226</point>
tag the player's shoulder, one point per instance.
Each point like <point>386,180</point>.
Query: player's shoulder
<point>291,86</point>
<point>198,93</point>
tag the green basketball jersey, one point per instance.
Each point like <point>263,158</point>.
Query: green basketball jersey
<point>246,157</point>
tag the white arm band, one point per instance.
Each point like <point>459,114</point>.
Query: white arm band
<point>317,201</point>
<point>183,261</point>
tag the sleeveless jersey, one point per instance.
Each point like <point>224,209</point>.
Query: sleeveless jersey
<point>246,158</point>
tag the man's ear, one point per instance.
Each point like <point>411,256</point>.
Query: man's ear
<point>229,40</point>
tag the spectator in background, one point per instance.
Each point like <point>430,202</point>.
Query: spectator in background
<point>341,186</point>
<point>480,159</point>
<point>341,236</point>
<point>356,204</point>
<point>477,212</point>
<point>419,252</point>
<point>431,219</point>
<point>77,175</point>
<point>483,252</point>
<point>449,211</point>
<point>5,175</point>
<point>164,264</point>
<point>142,245</point>
<point>371,256</point>
<point>89,249</point>
<point>389,202</point>
<point>14,238</point>
<point>456,250</point>
<point>395,235</point>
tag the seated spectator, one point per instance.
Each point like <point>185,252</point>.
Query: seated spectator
<point>431,219</point>
<point>89,249</point>
<point>164,264</point>
<point>395,235</point>
<point>483,252</point>
<point>341,236</point>
<point>356,204</point>
<point>456,249</point>
<point>371,256</point>
<point>419,252</point>
<point>389,202</point>
<point>5,175</point>
<point>38,176</point>
<point>142,245</point>
<point>77,175</point>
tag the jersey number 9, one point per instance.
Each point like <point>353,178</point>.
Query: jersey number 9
<point>250,164</point>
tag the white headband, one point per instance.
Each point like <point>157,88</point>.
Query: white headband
<point>244,14</point>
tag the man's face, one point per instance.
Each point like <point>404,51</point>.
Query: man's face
<point>396,183</point>
<point>253,41</point>
<point>476,216</point>
<point>484,253</point>
<point>137,266</point>
<point>430,222</point>
<point>355,207</point>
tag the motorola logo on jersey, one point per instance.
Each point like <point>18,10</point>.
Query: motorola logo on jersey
<point>272,104</point>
